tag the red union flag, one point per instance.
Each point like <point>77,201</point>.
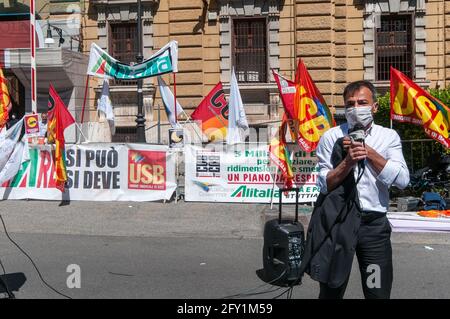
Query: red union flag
<point>212,112</point>
<point>314,117</point>
<point>59,118</point>
<point>412,104</point>
<point>280,156</point>
<point>146,170</point>
<point>287,93</point>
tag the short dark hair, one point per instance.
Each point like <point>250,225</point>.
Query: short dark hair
<point>357,85</point>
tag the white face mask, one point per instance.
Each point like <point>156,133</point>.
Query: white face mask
<point>360,114</point>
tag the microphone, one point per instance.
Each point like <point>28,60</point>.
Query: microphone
<point>357,134</point>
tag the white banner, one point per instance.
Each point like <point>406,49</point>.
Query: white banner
<point>241,174</point>
<point>98,172</point>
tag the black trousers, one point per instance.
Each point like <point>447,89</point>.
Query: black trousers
<point>374,253</point>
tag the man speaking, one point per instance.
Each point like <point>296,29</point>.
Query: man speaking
<point>358,163</point>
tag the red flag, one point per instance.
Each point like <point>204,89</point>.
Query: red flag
<point>287,93</point>
<point>212,112</point>
<point>412,104</point>
<point>287,89</point>
<point>59,118</point>
<point>314,117</point>
<point>279,154</point>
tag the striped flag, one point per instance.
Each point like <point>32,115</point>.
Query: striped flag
<point>5,100</point>
<point>59,118</point>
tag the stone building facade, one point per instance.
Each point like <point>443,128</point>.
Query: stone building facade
<point>339,40</point>
<point>60,63</point>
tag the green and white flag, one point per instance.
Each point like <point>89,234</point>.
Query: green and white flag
<point>101,64</point>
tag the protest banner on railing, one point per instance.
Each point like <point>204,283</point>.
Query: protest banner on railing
<point>98,172</point>
<point>243,174</point>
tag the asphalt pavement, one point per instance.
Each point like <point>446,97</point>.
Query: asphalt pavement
<point>177,250</point>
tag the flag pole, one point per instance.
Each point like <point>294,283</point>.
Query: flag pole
<point>81,131</point>
<point>175,95</point>
<point>189,121</point>
<point>159,124</point>
<point>84,101</point>
<point>33,56</point>
<point>273,188</point>
<point>216,115</point>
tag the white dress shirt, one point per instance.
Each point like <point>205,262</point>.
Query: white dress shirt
<point>373,188</point>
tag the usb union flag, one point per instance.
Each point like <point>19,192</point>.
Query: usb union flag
<point>59,118</point>
<point>313,115</point>
<point>412,104</point>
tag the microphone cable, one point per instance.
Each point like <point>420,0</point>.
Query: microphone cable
<point>248,294</point>
<point>255,293</point>
<point>32,262</point>
<point>4,282</point>
<point>288,291</point>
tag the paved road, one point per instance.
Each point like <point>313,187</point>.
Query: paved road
<point>126,267</point>
<point>189,251</point>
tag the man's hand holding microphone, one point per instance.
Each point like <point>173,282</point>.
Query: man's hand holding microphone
<point>355,147</point>
<point>357,153</point>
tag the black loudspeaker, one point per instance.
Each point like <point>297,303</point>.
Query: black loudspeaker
<point>284,246</point>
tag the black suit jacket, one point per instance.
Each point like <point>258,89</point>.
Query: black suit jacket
<point>333,260</point>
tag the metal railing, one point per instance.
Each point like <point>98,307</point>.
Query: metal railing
<point>418,153</point>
